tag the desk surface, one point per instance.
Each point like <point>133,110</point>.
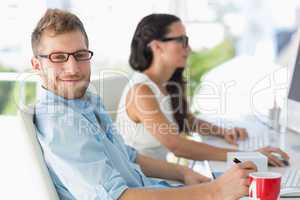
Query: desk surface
<point>289,142</point>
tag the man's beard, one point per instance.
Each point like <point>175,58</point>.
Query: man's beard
<point>77,91</point>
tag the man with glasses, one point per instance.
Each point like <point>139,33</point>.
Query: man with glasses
<point>86,157</point>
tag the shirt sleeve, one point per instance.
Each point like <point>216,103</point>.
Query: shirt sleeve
<point>78,158</point>
<point>132,153</point>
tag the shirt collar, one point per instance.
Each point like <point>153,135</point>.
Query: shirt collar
<point>45,95</point>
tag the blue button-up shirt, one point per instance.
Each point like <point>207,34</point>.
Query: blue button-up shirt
<point>86,157</point>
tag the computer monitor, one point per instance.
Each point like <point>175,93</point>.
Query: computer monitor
<point>293,101</point>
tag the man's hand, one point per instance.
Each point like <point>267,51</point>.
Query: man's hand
<point>191,177</point>
<point>234,183</point>
<point>232,135</point>
<point>272,159</point>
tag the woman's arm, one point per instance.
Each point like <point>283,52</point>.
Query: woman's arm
<point>206,128</point>
<point>142,107</point>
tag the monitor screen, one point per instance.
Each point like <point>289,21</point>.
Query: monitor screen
<point>294,91</point>
<point>293,101</point>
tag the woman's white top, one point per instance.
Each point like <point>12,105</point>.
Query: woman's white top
<point>135,134</point>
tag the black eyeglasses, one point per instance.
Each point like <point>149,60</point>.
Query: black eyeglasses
<point>61,57</point>
<point>184,40</point>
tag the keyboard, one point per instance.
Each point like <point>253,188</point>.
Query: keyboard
<point>291,179</point>
<point>290,184</point>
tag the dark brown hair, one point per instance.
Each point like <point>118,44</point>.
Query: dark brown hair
<point>155,27</point>
<point>59,22</point>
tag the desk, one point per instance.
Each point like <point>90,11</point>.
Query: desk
<point>289,142</point>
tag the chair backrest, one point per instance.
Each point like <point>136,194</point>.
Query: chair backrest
<point>38,169</point>
<point>110,89</point>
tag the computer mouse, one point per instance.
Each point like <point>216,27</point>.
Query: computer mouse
<point>279,157</point>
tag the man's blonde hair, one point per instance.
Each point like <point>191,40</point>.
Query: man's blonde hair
<point>57,21</point>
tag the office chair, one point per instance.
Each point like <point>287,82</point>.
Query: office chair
<point>40,176</point>
<point>110,89</point>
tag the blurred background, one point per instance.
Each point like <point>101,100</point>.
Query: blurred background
<point>220,32</point>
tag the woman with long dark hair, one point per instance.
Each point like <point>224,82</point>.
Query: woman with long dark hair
<point>153,111</point>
